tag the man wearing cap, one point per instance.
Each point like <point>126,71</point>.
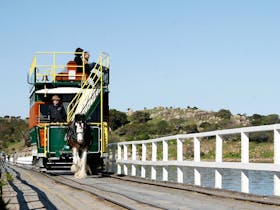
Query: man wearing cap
<point>56,110</point>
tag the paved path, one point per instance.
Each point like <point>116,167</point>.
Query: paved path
<point>34,191</point>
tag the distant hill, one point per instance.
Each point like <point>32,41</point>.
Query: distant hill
<point>199,117</point>
<point>161,121</point>
<point>13,133</point>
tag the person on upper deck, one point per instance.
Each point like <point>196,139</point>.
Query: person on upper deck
<point>86,63</point>
<point>56,110</point>
<point>90,67</point>
<point>78,59</point>
<point>94,68</point>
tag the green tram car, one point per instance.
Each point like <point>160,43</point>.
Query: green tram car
<point>50,74</point>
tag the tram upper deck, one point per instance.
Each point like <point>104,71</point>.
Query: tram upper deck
<point>59,69</point>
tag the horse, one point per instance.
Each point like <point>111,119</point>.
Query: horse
<point>79,137</point>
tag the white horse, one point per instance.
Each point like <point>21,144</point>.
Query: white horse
<point>79,138</point>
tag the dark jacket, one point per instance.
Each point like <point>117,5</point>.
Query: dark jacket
<point>57,113</point>
<point>78,60</point>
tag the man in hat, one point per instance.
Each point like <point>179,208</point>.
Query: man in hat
<point>56,110</point>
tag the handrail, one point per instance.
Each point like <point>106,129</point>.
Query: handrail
<point>93,82</point>
<point>45,141</point>
<point>33,65</point>
<point>50,68</point>
<point>78,97</point>
<point>122,159</point>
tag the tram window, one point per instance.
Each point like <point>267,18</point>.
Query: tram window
<point>67,97</point>
<point>65,105</point>
<point>44,98</point>
<point>44,113</point>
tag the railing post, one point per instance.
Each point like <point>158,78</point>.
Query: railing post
<point>276,178</point>
<point>179,158</point>
<point>154,158</point>
<point>143,168</point>
<point>244,147</point>
<point>276,146</point>
<point>119,159</point>
<point>125,158</point>
<point>113,159</point>
<point>108,159</point>
<point>133,166</point>
<point>219,159</point>
<point>165,158</point>
<point>197,176</point>
<point>196,142</point>
<point>244,159</point>
<point>276,161</point>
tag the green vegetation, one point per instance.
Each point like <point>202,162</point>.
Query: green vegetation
<point>224,114</point>
<point>117,119</point>
<point>163,121</point>
<point>257,119</point>
<point>13,133</point>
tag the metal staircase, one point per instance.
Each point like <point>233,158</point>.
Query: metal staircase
<point>90,91</point>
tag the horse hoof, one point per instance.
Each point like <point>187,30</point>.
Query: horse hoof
<point>80,175</point>
<point>84,175</point>
<point>74,168</point>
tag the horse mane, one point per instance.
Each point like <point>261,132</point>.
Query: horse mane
<point>72,135</point>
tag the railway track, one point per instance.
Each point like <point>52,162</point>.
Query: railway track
<point>109,198</point>
<point>129,193</point>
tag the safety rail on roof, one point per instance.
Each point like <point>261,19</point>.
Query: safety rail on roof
<point>124,155</point>
<point>46,66</point>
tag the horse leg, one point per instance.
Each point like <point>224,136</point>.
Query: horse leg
<point>76,160</point>
<point>82,172</point>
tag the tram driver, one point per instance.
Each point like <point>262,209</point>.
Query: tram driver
<point>56,110</point>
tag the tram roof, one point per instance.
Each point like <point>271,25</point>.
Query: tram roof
<point>59,90</point>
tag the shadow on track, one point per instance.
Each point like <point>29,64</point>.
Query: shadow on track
<point>20,197</point>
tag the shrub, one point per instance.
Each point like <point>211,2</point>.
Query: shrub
<point>117,119</point>
<point>140,117</point>
<point>162,127</point>
<point>257,119</point>
<point>224,114</point>
<point>206,126</point>
<point>191,128</point>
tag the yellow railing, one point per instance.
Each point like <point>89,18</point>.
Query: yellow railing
<point>103,61</point>
<point>45,141</point>
<point>78,97</point>
<point>46,65</point>
<point>104,137</point>
<point>92,82</point>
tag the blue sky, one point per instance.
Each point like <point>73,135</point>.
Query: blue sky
<point>208,54</point>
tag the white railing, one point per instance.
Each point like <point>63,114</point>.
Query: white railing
<point>123,161</point>
<point>25,160</point>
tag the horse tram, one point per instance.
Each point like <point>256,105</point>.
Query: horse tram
<point>80,139</point>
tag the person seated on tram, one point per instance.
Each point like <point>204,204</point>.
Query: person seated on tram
<point>78,59</point>
<point>86,62</point>
<point>56,110</point>
<point>89,67</point>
